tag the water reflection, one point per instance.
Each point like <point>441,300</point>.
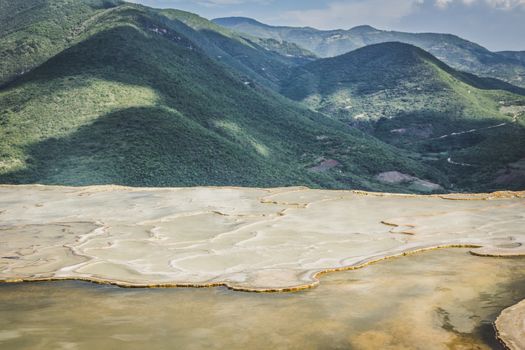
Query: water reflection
<point>436,300</point>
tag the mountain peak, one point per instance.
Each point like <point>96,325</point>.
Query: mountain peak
<point>233,21</point>
<point>364,29</point>
<point>392,50</point>
<point>459,53</point>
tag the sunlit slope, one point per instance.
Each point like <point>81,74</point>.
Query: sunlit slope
<point>138,103</point>
<point>263,60</point>
<point>408,98</point>
<point>383,80</point>
<point>33,31</point>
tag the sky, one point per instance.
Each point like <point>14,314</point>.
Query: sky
<point>495,24</point>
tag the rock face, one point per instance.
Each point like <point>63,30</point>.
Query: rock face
<point>513,175</point>
<point>394,177</point>
<point>247,239</point>
<point>414,183</point>
<point>510,327</point>
<point>325,165</point>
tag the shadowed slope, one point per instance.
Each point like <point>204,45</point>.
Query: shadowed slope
<point>455,51</point>
<point>138,106</point>
<point>469,127</point>
<point>35,30</point>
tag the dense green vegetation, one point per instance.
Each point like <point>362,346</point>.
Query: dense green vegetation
<point>262,61</point>
<point>137,100</point>
<point>407,98</point>
<point>100,92</point>
<point>457,52</point>
<point>33,31</point>
<point>516,55</point>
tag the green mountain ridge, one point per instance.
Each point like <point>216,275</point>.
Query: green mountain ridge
<point>137,100</point>
<point>515,55</point>
<point>107,92</point>
<point>459,53</point>
<point>408,98</point>
<point>31,34</point>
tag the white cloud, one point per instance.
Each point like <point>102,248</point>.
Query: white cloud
<point>206,3</point>
<point>497,24</point>
<point>343,14</point>
<point>380,13</point>
<point>443,3</point>
<point>229,2</point>
<point>498,4</point>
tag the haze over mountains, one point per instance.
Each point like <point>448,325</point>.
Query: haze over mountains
<point>457,52</point>
<point>103,91</point>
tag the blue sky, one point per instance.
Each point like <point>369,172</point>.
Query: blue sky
<point>495,24</point>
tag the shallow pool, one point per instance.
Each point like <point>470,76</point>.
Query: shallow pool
<point>444,299</point>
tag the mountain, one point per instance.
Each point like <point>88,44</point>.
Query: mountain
<point>31,33</point>
<point>455,51</point>
<point>465,126</point>
<point>137,96</point>
<point>515,55</point>
<point>107,92</point>
<point>263,60</point>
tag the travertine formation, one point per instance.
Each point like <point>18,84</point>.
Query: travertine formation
<point>510,327</point>
<point>438,300</point>
<point>247,239</point>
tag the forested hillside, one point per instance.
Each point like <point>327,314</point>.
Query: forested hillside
<point>453,50</point>
<point>467,127</point>
<point>137,100</point>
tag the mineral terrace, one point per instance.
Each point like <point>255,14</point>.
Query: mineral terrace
<point>247,239</point>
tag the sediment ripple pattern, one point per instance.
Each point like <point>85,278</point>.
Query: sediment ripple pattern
<point>247,239</point>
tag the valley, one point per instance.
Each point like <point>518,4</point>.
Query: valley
<point>168,180</point>
<point>455,51</point>
<point>144,97</point>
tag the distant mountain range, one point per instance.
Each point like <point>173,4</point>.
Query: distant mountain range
<point>108,92</point>
<point>144,97</point>
<point>406,97</point>
<point>516,55</point>
<point>455,51</point>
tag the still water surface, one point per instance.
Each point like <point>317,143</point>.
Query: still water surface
<point>443,299</point>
